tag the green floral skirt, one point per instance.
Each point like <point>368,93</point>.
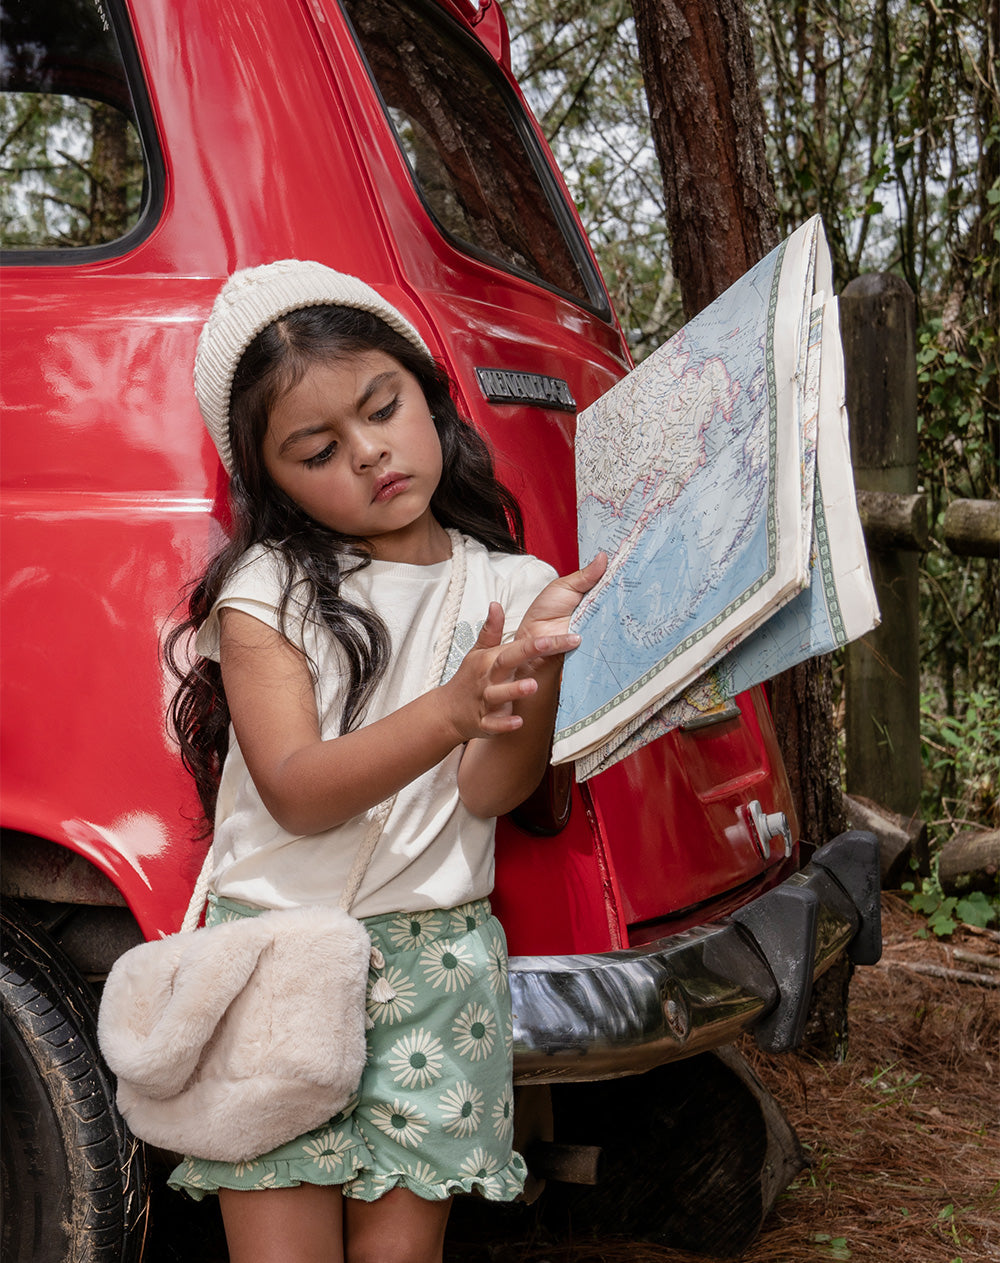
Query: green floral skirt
<point>434,1110</point>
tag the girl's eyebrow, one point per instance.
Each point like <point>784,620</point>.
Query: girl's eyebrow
<point>379,380</point>
<point>296,436</point>
<point>307,432</point>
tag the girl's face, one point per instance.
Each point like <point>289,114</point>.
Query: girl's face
<point>353,444</point>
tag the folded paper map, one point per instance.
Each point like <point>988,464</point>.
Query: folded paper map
<point>717,477</point>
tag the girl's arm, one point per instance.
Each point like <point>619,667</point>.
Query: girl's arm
<point>498,774</point>
<point>309,784</point>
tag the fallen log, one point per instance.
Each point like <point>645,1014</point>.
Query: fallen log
<point>900,838</point>
<point>971,861</point>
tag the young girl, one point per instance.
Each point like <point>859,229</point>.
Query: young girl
<point>372,646</point>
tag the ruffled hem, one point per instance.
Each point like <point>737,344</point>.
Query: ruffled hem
<point>327,1160</point>
<point>502,1185</point>
<point>198,1177</point>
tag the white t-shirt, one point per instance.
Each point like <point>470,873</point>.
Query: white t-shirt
<point>433,853</point>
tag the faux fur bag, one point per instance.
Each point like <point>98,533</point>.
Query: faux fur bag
<point>235,1039</point>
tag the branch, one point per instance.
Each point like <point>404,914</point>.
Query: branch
<point>940,971</point>
<point>976,958</point>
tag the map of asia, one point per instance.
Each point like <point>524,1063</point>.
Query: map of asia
<point>717,478</point>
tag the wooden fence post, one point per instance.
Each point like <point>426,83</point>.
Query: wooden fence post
<point>882,674</point>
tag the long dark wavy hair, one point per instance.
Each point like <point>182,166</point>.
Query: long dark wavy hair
<point>468,497</point>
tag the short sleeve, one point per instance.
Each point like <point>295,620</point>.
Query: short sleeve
<point>525,577</point>
<point>255,586</point>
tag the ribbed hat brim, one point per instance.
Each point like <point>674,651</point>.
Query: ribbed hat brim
<point>248,302</point>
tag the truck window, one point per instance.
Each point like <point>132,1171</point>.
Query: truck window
<point>472,153</point>
<point>74,172</point>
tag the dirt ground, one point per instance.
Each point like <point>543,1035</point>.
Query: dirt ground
<point>902,1137</point>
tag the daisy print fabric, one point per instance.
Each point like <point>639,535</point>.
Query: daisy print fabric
<point>434,1110</point>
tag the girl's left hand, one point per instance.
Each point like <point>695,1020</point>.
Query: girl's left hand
<point>522,695</point>
<point>550,611</point>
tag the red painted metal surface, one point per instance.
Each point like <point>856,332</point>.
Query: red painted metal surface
<point>275,144</point>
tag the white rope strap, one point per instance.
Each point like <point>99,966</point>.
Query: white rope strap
<point>379,814</point>
<point>198,896</point>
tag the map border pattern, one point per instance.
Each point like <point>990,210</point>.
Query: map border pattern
<point>689,641</point>
<point>826,569</point>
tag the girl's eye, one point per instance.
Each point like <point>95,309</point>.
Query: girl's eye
<point>385,413</point>
<point>320,458</point>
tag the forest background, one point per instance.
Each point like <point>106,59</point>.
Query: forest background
<point>883,116</point>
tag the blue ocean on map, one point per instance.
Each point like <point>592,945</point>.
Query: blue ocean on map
<point>708,546</point>
<point>799,630</point>
<point>699,474</point>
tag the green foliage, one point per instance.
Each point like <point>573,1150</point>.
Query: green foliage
<point>945,913</point>
<point>961,756</point>
<point>881,120</point>
<point>949,1220</point>
<point>832,1247</point>
<point>892,1087</point>
<point>955,384</point>
<point>885,119</point>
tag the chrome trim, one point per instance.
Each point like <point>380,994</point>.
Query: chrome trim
<point>505,385</point>
<point>600,1016</point>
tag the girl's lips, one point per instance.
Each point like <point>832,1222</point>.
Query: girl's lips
<point>390,485</point>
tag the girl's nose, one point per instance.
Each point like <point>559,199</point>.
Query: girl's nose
<point>369,450</point>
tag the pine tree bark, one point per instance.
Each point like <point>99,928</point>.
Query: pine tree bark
<point>708,128</point>
<point>108,211</point>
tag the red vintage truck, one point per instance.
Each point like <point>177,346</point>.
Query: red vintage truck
<point>655,912</point>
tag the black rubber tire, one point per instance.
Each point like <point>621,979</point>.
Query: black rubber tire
<point>695,1154</point>
<point>73,1178</point>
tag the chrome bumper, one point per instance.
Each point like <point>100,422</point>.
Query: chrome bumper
<point>623,1012</point>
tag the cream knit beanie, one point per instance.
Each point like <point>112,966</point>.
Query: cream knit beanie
<point>247,303</point>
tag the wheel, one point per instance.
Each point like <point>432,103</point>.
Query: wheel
<point>73,1178</point>
<point>696,1153</point>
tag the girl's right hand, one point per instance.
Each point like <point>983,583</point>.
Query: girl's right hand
<point>481,694</point>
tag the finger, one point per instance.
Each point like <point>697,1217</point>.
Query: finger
<point>527,649</point>
<point>491,632</point>
<point>594,570</point>
<point>498,696</point>
<point>587,576</point>
<point>497,723</point>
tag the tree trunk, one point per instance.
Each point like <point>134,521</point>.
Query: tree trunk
<point>802,702</point>
<point>109,214</point>
<point>708,128</point>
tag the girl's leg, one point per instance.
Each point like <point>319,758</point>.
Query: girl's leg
<point>284,1225</point>
<point>398,1228</point>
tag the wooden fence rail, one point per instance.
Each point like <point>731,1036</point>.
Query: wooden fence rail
<point>971,528</point>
